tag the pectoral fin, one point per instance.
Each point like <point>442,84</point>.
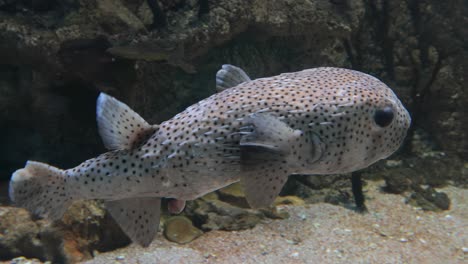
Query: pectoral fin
<point>138,217</point>
<point>267,132</point>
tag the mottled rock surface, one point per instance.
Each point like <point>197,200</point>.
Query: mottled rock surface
<point>22,236</point>
<point>56,56</point>
<point>180,229</point>
<point>54,62</point>
<point>392,232</point>
<point>85,228</point>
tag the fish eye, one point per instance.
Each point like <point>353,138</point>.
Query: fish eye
<point>384,117</point>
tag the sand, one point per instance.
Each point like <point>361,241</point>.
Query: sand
<point>392,232</point>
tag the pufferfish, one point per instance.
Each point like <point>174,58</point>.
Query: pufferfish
<point>316,121</point>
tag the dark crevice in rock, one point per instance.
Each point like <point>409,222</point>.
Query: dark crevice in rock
<point>38,6</point>
<point>159,17</point>
<point>426,90</point>
<point>204,7</point>
<point>351,56</point>
<point>387,42</point>
<point>429,199</point>
<point>379,11</point>
<point>56,59</point>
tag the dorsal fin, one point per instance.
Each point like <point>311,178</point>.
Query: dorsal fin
<point>119,126</point>
<point>229,76</point>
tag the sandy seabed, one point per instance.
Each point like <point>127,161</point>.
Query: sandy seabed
<point>392,232</point>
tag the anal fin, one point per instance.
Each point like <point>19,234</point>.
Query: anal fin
<point>270,151</point>
<point>138,217</point>
<point>262,183</point>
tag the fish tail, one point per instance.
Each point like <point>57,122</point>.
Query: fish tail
<point>41,189</point>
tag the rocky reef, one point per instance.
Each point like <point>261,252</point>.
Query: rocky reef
<point>161,56</point>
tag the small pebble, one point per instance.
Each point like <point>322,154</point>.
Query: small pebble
<point>383,234</point>
<point>465,249</point>
<point>393,163</point>
<point>209,255</point>
<point>338,252</point>
<point>120,258</point>
<point>23,260</point>
<point>302,216</point>
<point>295,254</point>
<point>403,240</point>
<point>180,229</point>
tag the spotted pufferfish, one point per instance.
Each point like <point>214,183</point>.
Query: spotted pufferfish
<point>316,121</point>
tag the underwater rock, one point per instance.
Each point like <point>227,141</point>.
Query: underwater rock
<point>334,189</point>
<point>264,37</point>
<point>288,200</point>
<point>227,209</point>
<point>40,6</point>
<point>48,88</point>
<point>430,169</point>
<point>85,227</point>
<point>20,235</point>
<point>421,53</point>
<point>400,180</point>
<point>77,75</point>
<point>433,168</point>
<point>179,229</point>
<point>173,55</point>
<point>23,260</point>
<point>319,182</point>
<point>209,213</point>
<point>233,194</point>
<point>429,199</point>
<point>116,14</point>
<point>275,212</point>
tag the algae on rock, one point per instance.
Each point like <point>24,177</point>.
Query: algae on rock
<point>56,59</point>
